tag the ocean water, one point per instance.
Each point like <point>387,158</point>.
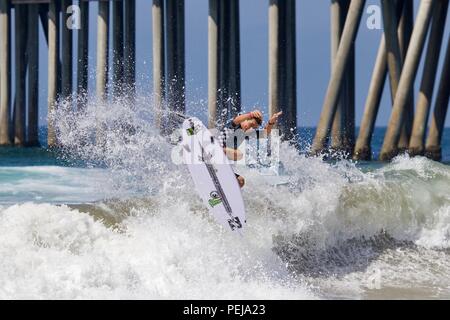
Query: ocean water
<point>118,219</point>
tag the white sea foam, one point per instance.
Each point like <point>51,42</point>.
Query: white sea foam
<point>54,252</point>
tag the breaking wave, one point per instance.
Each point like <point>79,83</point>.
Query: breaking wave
<point>329,232</point>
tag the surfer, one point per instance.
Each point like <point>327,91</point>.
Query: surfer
<point>244,122</point>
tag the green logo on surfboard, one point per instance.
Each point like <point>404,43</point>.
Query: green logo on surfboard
<point>190,131</point>
<point>215,199</point>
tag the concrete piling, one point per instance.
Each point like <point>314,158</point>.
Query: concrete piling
<point>276,52</point>
<point>282,65</point>
<point>406,11</point>
<point>349,128</point>
<point>102,49</point>
<point>235,60</point>
<point>288,123</point>
<point>102,73</point>
<point>175,56</point>
<point>83,52</point>
<point>129,64</point>
<point>396,45</point>
<point>213,62</point>
<point>417,142</point>
<point>53,70</point>
<point>363,150</point>
<point>224,63</point>
<point>117,12</point>
<point>5,73</point>
<point>334,86</point>
<point>66,51</point>
<point>393,54</point>
<point>390,143</point>
<point>158,58</point>
<point>433,148</point>
<point>33,75</point>
<point>339,10</point>
<point>337,15</point>
<point>20,15</point>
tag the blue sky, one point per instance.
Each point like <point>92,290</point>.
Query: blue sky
<point>313,57</point>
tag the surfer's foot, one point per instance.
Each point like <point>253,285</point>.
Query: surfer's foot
<point>241,181</point>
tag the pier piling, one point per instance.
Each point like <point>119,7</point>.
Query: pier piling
<point>394,30</point>
<point>175,55</point>
<point>5,73</point>
<point>417,142</point>
<point>288,123</point>
<point>20,15</point>
<point>66,52</point>
<point>276,54</point>
<point>117,10</point>
<point>224,63</point>
<point>53,70</point>
<point>349,124</point>
<point>342,57</point>
<point>406,23</point>
<point>282,65</point>
<point>129,65</point>
<point>33,74</point>
<point>158,58</point>
<point>102,49</point>
<point>393,54</point>
<point>363,150</point>
<point>339,10</point>
<point>83,53</point>
<point>102,65</point>
<point>390,143</point>
<point>433,144</point>
<point>213,62</point>
<point>224,66</point>
<point>235,59</point>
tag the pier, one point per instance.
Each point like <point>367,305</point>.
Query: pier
<point>417,117</point>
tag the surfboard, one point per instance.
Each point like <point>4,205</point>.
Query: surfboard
<point>213,176</point>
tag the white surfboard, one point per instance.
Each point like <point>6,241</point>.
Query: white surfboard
<point>213,175</point>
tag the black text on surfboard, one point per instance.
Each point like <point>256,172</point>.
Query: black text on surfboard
<point>235,223</point>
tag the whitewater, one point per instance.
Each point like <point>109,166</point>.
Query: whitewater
<point>127,224</point>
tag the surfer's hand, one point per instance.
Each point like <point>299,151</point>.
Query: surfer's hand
<point>233,154</point>
<point>274,118</point>
<point>241,181</point>
<point>256,114</point>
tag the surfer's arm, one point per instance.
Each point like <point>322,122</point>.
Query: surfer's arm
<point>247,116</point>
<point>272,121</point>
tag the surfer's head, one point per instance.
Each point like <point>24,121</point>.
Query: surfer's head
<point>252,123</point>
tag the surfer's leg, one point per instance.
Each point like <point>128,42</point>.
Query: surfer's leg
<point>240,180</point>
